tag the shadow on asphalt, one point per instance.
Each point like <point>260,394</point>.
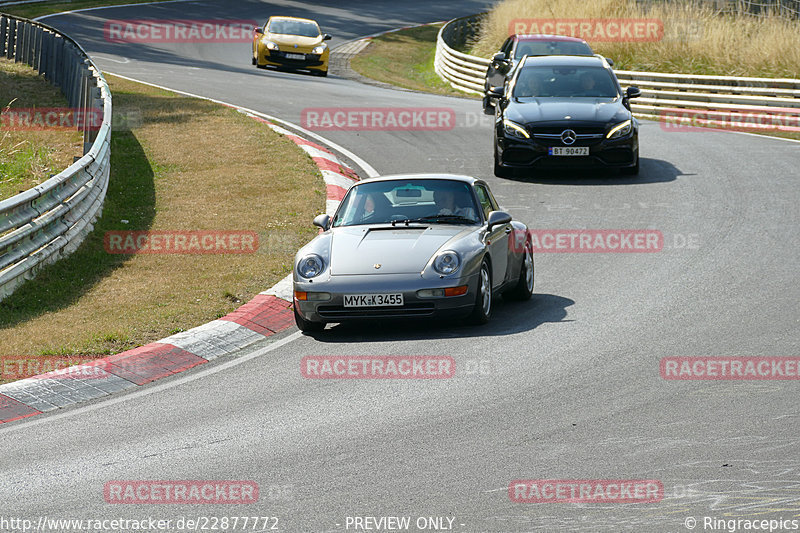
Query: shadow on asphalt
<point>508,317</point>
<point>651,171</point>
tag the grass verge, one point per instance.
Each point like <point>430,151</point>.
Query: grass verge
<point>188,165</point>
<point>48,8</point>
<point>404,58</point>
<point>27,158</point>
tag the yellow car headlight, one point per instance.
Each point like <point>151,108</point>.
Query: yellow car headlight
<point>270,45</point>
<point>319,49</point>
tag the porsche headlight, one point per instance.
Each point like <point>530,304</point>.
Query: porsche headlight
<point>270,45</point>
<point>620,130</point>
<point>515,130</point>
<point>447,263</point>
<point>310,266</point>
<point>319,49</point>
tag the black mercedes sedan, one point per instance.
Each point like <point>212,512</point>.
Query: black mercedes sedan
<point>564,112</point>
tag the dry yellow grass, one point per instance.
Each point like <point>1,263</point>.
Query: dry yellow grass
<point>696,39</point>
<point>404,58</point>
<point>190,165</point>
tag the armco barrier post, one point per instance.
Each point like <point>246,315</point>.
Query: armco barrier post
<point>59,65</point>
<point>12,32</point>
<point>3,34</point>
<point>37,48</point>
<point>44,55</point>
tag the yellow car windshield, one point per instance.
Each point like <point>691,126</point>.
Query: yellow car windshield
<point>294,27</point>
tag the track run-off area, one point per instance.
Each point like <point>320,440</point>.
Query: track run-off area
<point>566,386</point>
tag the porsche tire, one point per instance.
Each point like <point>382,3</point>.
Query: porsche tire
<point>482,311</point>
<point>523,290</point>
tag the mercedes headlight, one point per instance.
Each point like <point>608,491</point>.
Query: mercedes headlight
<point>310,266</point>
<point>620,130</point>
<point>447,263</point>
<point>270,45</point>
<point>319,49</point>
<point>515,130</point>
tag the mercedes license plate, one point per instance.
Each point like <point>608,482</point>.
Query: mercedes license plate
<point>568,150</point>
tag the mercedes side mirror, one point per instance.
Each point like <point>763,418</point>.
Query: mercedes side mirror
<point>323,221</point>
<point>633,92</point>
<point>496,92</point>
<point>498,217</point>
<point>499,57</point>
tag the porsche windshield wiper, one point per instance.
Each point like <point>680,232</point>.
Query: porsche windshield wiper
<point>452,219</point>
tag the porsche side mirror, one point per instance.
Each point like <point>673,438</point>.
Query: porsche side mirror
<point>498,217</point>
<point>259,31</point>
<point>327,37</point>
<point>633,92</point>
<point>323,221</point>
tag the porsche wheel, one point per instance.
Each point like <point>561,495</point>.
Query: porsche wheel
<point>482,311</point>
<point>523,290</point>
<point>307,326</point>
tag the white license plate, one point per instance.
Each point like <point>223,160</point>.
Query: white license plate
<point>295,56</point>
<point>373,300</point>
<point>568,150</point>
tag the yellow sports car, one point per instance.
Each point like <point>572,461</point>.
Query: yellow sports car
<point>293,43</point>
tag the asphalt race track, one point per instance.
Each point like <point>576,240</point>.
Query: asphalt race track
<point>565,386</point>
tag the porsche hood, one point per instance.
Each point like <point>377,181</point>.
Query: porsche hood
<point>387,250</point>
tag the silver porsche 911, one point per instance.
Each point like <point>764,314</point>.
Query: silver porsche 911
<point>412,246</point>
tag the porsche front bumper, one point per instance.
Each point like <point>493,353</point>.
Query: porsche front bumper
<point>414,306</point>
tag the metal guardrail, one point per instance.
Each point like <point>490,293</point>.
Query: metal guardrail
<point>709,96</point>
<point>50,221</point>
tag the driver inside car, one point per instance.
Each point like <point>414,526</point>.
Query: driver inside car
<point>448,203</point>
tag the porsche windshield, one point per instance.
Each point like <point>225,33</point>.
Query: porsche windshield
<point>294,27</point>
<point>407,201</point>
<point>565,82</point>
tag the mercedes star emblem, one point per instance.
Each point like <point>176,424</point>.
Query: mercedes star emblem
<point>568,137</point>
